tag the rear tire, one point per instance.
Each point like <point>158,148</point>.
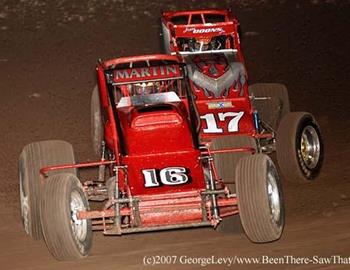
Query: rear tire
<point>299,147</point>
<point>260,199</point>
<point>97,131</point>
<point>270,110</point>
<point>34,157</point>
<point>66,237</point>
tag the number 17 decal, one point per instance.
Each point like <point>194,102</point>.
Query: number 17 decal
<point>212,126</point>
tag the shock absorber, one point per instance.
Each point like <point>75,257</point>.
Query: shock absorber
<point>102,168</point>
<point>256,121</point>
<point>212,188</point>
<point>117,219</point>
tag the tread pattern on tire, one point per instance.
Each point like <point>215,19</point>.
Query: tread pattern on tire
<point>272,110</point>
<point>56,218</point>
<point>33,157</point>
<point>252,198</point>
<point>97,131</point>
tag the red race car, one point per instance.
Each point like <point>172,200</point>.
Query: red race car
<point>208,43</point>
<point>154,171</point>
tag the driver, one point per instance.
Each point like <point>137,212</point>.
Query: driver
<point>204,44</point>
<point>200,44</point>
<point>145,88</point>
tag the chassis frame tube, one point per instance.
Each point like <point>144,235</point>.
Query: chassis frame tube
<point>45,170</point>
<point>113,231</point>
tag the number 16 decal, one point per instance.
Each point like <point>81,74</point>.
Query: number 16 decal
<point>168,176</point>
<point>212,126</point>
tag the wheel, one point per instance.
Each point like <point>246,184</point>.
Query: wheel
<point>97,131</point>
<point>225,165</point>
<point>299,147</point>
<point>260,199</point>
<point>66,237</point>
<point>270,110</point>
<point>34,157</point>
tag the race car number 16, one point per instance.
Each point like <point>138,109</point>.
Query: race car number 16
<point>167,176</point>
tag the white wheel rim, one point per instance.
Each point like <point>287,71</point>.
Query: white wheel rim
<point>273,195</point>
<point>24,204</point>
<point>79,226</point>
<point>310,147</point>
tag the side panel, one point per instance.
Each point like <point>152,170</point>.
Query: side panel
<point>221,117</point>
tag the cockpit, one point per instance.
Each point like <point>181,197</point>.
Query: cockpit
<point>203,44</point>
<point>148,92</point>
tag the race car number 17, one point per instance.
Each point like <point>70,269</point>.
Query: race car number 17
<point>212,126</point>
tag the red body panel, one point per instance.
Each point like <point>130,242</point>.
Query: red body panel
<point>202,31</point>
<point>146,73</point>
<point>163,128</point>
<point>226,125</point>
<point>186,159</point>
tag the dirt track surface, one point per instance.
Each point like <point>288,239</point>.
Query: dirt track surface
<point>47,58</point>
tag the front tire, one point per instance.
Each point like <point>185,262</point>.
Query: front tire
<point>273,103</point>
<point>34,157</point>
<point>66,237</point>
<point>260,199</point>
<point>299,147</point>
<point>97,131</point>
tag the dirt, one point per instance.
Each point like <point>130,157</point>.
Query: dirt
<point>47,56</point>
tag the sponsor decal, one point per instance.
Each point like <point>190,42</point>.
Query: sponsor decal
<point>145,73</point>
<point>195,30</point>
<point>220,105</point>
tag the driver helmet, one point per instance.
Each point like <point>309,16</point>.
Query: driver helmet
<point>145,88</point>
<point>199,44</point>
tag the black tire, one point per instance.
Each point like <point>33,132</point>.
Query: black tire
<point>34,157</point>
<point>270,110</point>
<point>64,242</point>
<point>256,177</point>
<point>97,131</point>
<point>291,155</point>
<point>225,165</point>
